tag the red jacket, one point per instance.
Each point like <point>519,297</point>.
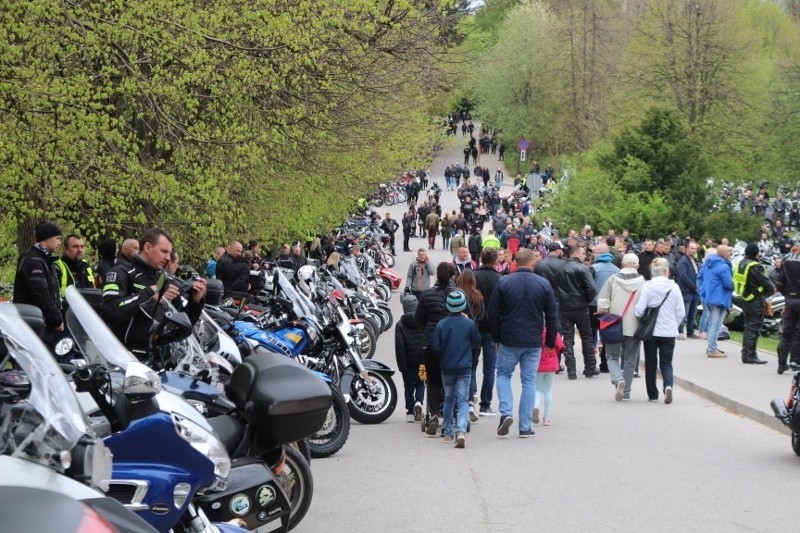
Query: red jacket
<point>549,360</point>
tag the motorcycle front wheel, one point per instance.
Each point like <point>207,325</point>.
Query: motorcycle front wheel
<point>298,483</point>
<point>372,408</point>
<point>334,432</point>
<point>369,342</point>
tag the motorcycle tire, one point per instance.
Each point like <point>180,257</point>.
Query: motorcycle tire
<point>401,197</point>
<point>377,202</point>
<point>380,316</point>
<point>373,322</point>
<point>334,432</point>
<point>390,200</point>
<point>389,258</point>
<point>368,409</point>
<point>796,442</point>
<point>369,341</point>
<point>302,447</point>
<point>298,483</point>
<point>382,292</point>
<point>386,309</point>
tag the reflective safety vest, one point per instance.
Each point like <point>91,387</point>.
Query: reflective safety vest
<point>740,281</point>
<point>66,277</point>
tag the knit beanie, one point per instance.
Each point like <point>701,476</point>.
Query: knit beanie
<point>107,249</point>
<point>751,251</point>
<point>46,230</point>
<point>456,301</point>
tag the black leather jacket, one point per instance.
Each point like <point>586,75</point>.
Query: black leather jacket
<point>35,284</point>
<point>548,268</point>
<point>574,287</point>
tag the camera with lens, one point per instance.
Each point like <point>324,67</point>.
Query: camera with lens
<point>184,281</point>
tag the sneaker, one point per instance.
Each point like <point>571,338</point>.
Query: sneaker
<point>410,417</point>
<point>702,335</point>
<point>652,399</point>
<point>626,398</point>
<point>546,421</point>
<point>527,434</point>
<point>535,415</point>
<point>716,355</point>
<point>448,439</point>
<point>695,336</point>
<point>620,390</point>
<point>433,425</point>
<point>668,395</point>
<point>460,440</point>
<point>487,411</point>
<point>505,423</point>
<point>681,337</point>
<point>476,400</point>
<point>473,413</point>
<point>418,411</point>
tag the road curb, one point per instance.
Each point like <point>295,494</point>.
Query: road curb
<point>732,405</point>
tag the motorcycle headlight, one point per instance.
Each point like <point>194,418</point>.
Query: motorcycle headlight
<point>207,444</point>
<point>90,461</point>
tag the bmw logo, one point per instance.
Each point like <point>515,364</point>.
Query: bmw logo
<point>240,505</point>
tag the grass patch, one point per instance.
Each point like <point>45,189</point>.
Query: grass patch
<point>768,344</point>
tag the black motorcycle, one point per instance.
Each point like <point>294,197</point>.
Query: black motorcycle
<point>788,412</point>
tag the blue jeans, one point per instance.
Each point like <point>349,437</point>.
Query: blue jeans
<point>715,315</point>
<point>508,357</point>
<point>690,302</point>
<point>703,326</point>
<point>456,397</point>
<point>489,358</point>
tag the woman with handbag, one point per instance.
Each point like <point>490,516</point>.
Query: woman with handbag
<point>660,310</point>
<point>615,301</point>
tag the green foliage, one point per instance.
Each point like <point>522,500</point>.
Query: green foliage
<point>215,120</point>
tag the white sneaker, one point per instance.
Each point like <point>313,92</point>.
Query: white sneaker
<point>473,413</point>
<point>620,390</point>
<point>681,336</point>
<point>417,411</point>
<point>668,395</point>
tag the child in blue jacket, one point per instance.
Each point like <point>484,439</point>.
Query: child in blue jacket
<point>453,341</point>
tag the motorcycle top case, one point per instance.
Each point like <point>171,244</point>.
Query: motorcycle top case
<point>283,400</point>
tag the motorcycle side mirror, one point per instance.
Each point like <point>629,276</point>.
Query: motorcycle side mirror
<point>162,284</point>
<point>141,382</point>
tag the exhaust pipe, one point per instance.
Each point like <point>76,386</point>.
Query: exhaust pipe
<point>780,410</point>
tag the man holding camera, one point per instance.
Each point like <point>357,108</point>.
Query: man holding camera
<point>130,294</point>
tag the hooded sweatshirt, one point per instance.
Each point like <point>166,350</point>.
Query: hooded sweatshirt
<point>672,309</point>
<point>602,269</point>
<point>716,282</point>
<point>614,296</point>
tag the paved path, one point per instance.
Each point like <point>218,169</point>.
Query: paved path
<point>694,465</point>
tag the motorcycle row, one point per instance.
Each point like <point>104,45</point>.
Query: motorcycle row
<point>214,430</point>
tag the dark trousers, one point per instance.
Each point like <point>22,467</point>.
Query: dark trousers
<point>434,384</point>
<point>790,337</point>
<point>658,354</point>
<point>414,388</point>
<point>431,237</point>
<point>577,318</point>
<point>690,302</point>
<point>406,236</point>
<point>595,338</point>
<point>753,314</point>
<point>489,358</point>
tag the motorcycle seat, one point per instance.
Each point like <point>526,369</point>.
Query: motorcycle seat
<point>229,431</point>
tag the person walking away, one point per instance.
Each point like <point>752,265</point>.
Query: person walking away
<point>456,342</point>
<point>467,283</point>
<point>486,277</point>
<point>35,281</point>
<point>522,304</point>
<point>661,292</point>
<point>409,341</point>
<point>575,290</point>
<point>618,296</point>
<point>431,309</point>
<point>716,291</point>
<point>446,231</point>
<point>545,376</point>
<point>788,283</point>
<point>432,224</point>
<point>419,275</point>
<point>686,277</point>
<point>602,269</point>
<point>752,284</point>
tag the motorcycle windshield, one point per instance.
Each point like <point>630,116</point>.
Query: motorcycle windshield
<point>302,305</point>
<point>96,342</point>
<point>51,396</point>
<point>350,270</point>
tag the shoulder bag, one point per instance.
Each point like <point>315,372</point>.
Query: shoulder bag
<point>610,325</point>
<point>647,322</point>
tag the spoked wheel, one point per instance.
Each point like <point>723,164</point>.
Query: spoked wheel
<point>298,483</point>
<point>390,199</point>
<point>370,407</point>
<point>796,442</point>
<point>334,432</point>
<point>389,258</point>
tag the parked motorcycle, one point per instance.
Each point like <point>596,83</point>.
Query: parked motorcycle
<point>788,411</point>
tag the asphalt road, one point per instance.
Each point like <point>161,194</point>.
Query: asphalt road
<point>601,466</point>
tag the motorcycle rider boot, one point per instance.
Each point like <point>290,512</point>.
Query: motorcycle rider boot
<point>756,361</point>
<point>782,367</point>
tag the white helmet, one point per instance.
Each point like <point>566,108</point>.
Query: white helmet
<point>306,272</point>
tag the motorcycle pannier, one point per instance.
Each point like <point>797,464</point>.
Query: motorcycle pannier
<point>283,400</point>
